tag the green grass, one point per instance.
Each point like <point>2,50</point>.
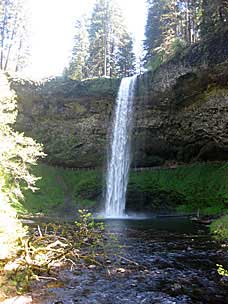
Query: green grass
<point>199,188</point>
<point>57,185</point>
<point>202,187</point>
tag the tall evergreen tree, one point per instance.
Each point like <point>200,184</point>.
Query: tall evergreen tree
<point>126,57</point>
<point>214,16</point>
<point>153,30</point>
<point>107,32</point>
<point>78,64</point>
<point>103,48</point>
<point>171,25</point>
<point>99,31</point>
<point>13,34</point>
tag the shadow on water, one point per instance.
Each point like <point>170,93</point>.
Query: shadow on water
<point>174,224</point>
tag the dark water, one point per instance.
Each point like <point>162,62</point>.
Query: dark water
<point>162,260</point>
<point>178,225</point>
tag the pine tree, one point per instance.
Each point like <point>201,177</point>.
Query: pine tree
<point>103,48</point>
<point>78,64</point>
<point>171,26</point>
<point>126,57</point>
<point>13,35</point>
<point>214,16</point>
<point>107,33</point>
<point>98,38</point>
<point>153,30</point>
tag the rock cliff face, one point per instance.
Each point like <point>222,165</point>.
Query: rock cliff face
<point>182,108</point>
<point>181,112</point>
<point>70,118</point>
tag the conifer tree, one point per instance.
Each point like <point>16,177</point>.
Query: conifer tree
<point>78,64</point>
<point>214,16</point>
<point>126,57</point>
<point>107,34</point>
<point>153,30</point>
<point>13,34</point>
<point>171,25</point>
<point>103,48</point>
<point>98,37</point>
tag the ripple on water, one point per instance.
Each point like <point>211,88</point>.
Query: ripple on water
<point>164,261</point>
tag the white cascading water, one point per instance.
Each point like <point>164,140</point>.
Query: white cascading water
<point>119,159</point>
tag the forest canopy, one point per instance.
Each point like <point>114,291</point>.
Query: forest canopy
<point>173,25</point>
<point>102,44</point>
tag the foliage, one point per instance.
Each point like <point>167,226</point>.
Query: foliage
<point>53,246</point>
<point>103,48</point>
<point>192,184</point>
<point>222,271</point>
<point>125,56</point>
<point>154,63</point>
<point>153,31</point>
<point>220,228</point>
<point>82,188</point>
<point>182,21</point>
<point>88,230</point>
<point>17,154</point>
<point>78,65</point>
<point>14,30</point>
<point>163,53</point>
<point>178,46</point>
<point>214,16</point>
<point>10,228</point>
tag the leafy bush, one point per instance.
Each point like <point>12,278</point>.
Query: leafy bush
<point>222,271</point>
<point>17,154</point>
<point>220,228</point>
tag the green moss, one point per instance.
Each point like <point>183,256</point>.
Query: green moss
<point>94,87</point>
<point>105,85</point>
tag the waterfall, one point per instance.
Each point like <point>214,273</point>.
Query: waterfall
<point>119,158</point>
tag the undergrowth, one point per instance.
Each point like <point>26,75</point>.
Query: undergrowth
<point>50,247</point>
<point>199,188</point>
<point>202,188</point>
<point>62,190</point>
<point>220,228</point>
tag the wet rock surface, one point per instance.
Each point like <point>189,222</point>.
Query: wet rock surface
<point>154,265</point>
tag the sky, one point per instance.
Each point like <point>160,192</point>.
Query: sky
<point>52,24</point>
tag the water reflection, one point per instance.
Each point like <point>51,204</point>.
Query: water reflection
<point>170,225</point>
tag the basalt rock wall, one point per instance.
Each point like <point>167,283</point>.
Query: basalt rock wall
<point>182,107</point>
<point>70,118</point>
<point>181,112</point>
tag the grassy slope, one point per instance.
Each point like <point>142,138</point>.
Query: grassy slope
<point>201,186</point>
<point>59,187</point>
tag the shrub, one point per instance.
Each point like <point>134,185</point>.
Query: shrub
<point>17,154</point>
<point>220,228</point>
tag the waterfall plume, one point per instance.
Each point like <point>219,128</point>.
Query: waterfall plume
<point>119,157</point>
